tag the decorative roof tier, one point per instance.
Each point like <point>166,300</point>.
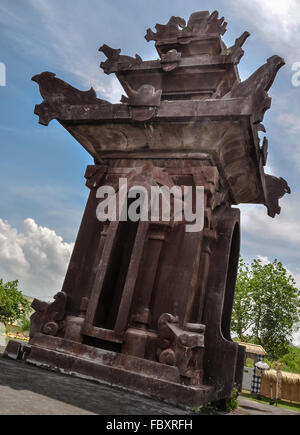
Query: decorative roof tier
<point>201,35</point>
<point>189,102</point>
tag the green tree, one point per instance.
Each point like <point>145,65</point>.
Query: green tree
<point>267,306</point>
<point>13,305</point>
<point>242,318</point>
<point>291,360</point>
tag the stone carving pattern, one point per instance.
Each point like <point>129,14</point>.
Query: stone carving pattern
<point>199,24</point>
<point>117,62</point>
<point>57,93</point>
<point>256,88</point>
<point>48,317</point>
<point>180,348</point>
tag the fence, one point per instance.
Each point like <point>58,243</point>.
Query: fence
<point>287,385</point>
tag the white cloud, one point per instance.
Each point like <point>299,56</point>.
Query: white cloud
<point>37,257</point>
<point>291,123</point>
<point>72,49</point>
<point>66,44</point>
<point>291,129</point>
<point>264,260</point>
<point>277,22</point>
<point>285,228</point>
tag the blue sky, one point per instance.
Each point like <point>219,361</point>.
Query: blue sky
<point>41,179</point>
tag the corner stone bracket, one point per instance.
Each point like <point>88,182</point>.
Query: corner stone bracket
<point>117,62</point>
<point>47,318</point>
<point>181,348</point>
<point>143,103</point>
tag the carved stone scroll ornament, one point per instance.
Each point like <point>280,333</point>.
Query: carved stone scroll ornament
<point>256,88</point>
<point>143,103</point>
<point>117,62</point>
<point>236,52</point>
<point>203,23</point>
<point>180,348</point>
<point>48,318</point>
<point>166,32</point>
<point>57,93</point>
<point>170,60</point>
<point>199,24</point>
<point>261,127</point>
<point>276,189</point>
<point>94,176</point>
<point>151,174</point>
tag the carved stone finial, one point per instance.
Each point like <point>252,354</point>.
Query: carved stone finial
<point>146,95</point>
<point>94,176</point>
<point>143,102</point>
<point>276,188</point>
<point>57,93</point>
<point>168,31</point>
<point>203,22</point>
<point>170,60</point>
<point>55,90</point>
<point>256,87</point>
<point>199,24</point>
<point>47,318</point>
<point>117,62</point>
<point>236,52</point>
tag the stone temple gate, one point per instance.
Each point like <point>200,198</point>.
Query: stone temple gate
<point>147,305</point>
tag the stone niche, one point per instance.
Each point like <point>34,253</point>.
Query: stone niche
<point>147,305</point>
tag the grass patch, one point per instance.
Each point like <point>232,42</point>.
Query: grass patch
<point>281,403</point>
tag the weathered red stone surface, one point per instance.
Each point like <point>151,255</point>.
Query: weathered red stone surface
<point>147,305</point>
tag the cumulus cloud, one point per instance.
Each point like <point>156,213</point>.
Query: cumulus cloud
<point>66,44</point>
<point>264,260</point>
<point>291,122</point>
<point>37,257</point>
<point>70,47</point>
<point>276,21</point>
<point>285,228</point>
<point>291,129</point>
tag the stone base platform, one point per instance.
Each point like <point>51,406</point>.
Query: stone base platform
<point>131,373</point>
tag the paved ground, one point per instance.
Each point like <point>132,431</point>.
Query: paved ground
<point>249,407</point>
<point>27,390</point>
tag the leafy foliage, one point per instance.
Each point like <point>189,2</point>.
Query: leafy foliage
<point>242,318</point>
<point>25,324</point>
<point>233,403</point>
<point>291,360</point>
<point>267,306</point>
<point>13,305</point>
